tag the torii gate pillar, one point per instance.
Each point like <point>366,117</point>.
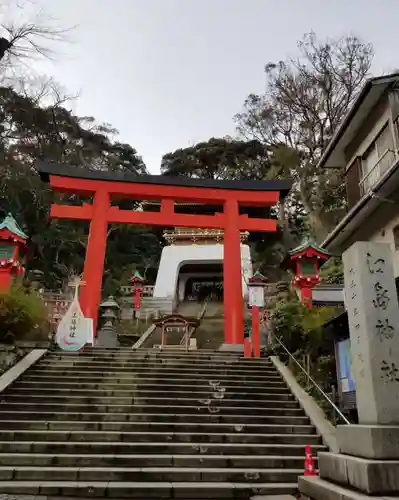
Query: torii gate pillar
<point>233,303</point>
<point>90,295</point>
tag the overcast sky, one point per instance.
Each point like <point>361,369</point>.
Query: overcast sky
<point>169,73</point>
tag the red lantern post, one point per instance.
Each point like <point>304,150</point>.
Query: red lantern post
<point>256,300</point>
<point>12,251</point>
<point>137,283</point>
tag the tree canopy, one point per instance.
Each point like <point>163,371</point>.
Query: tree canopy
<point>306,98</point>
<point>282,134</point>
<point>219,158</point>
<point>30,131</point>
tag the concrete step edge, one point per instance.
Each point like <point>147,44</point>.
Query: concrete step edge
<point>135,376</point>
<point>18,388</point>
<point>227,398</point>
<point>143,456</point>
<point>142,485</point>
<point>171,415</point>
<point>152,469</point>
<point>45,404</point>
<point>166,444</point>
<point>154,381</point>
<point>154,434</point>
<point>154,424</point>
<point>140,384</point>
<point>180,373</point>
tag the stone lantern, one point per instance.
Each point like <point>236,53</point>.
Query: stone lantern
<point>109,313</point>
<point>12,251</point>
<point>36,278</point>
<point>304,263</point>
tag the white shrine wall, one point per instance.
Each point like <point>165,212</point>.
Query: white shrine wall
<point>175,256</point>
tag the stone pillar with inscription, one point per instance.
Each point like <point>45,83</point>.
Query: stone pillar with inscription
<point>368,460</point>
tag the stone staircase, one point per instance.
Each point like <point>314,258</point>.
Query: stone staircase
<point>146,424</point>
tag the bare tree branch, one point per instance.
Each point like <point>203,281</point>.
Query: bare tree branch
<point>26,36</point>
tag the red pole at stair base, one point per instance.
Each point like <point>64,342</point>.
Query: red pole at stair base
<point>247,348</point>
<point>255,332</point>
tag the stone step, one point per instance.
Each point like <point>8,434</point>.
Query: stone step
<point>140,393</point>
<point>170,427</point>
<point>148,424</point>
<point>92,460</point>
<point>157,354</point>
<point>169,490</point>
<point>135,380</point>
<point>161,372</point>
<point>164,357</point>
<point>154,417</point>
<point>170,408</point>
<point>149,437</point>
<point>147,366</point>
<point>256,363</point>
<point>157,448</point>
<point>150,474</point>
<point>210,399</point>
<point>163,385</point>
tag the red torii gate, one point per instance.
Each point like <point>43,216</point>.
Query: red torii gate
<point>104,186</point>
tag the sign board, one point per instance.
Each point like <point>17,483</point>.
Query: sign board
<point>346,377</point>
<point>74,330</point>
<point>256,296</point>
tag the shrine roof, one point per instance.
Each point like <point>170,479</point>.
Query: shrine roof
<point>308,242</point>
<point>11,225</point>
<point>46,169</point>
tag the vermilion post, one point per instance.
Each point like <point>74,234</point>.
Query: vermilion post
<point>247,348</point>
<point>306,297</point>
<point>90,295</point>
<point>5,280</point>
<point>255,332</point>
<point>233,308</point>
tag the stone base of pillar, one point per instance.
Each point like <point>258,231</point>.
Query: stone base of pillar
<point>314,488</point>
<point>367,466</point>
<point>107,337</point>
<point>232,347</point>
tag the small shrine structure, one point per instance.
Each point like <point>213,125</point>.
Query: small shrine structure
<point>191,264</point>
<point>12,251</point>
<point>176,326</point>
<point>304,263</point>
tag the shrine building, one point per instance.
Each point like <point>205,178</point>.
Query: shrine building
<point>191,264</point>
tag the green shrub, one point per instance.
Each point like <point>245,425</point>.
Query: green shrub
<point>23,316</point>
<point>302,331</point>
<point>332,272</point>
